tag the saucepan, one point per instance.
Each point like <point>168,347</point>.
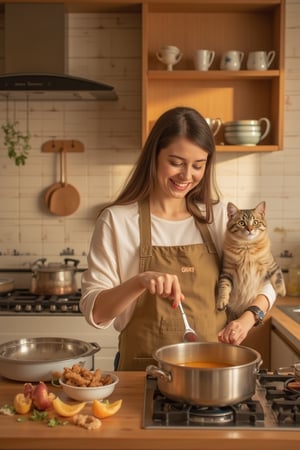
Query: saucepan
<point>206,373</point>
<point>35,359</point>
<point>54,278</point>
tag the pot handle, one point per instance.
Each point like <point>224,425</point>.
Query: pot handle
<point>38,263</point>
<point>96,347</point>
<point>256,370</point>
<point>74,261</point>
<point>155,371</point>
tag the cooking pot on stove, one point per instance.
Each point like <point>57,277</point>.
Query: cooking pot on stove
<point>206,373</point>
<point>54,278</point>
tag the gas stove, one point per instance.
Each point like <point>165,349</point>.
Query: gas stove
<point>275,405</point>
<point>23,302</point>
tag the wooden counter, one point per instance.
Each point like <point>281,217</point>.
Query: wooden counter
<point>124,430</point>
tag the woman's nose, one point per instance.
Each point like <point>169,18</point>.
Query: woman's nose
<point>185,173</point>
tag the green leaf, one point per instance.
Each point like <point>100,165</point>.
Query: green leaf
<point>17,144</point>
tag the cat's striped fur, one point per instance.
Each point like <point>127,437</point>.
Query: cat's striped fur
<point>247,260</point>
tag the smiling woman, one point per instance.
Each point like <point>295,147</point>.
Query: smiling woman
<point>159,244</point>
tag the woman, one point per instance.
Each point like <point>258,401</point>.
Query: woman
<point>159,244</point>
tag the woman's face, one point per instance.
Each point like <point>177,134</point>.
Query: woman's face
<point>180,167</point>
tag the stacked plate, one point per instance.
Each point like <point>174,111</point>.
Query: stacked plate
<point>242,132</point>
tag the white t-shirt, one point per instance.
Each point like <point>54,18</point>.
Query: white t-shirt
<point>114,252</point>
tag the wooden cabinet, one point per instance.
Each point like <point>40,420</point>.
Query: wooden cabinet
<point>282,353</point>
<point>219,25</point>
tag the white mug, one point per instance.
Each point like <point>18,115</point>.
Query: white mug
<point>214,125</point>
<point>203,59</point>
<point>232,60</point>
<point>260,60</point>
<point>169,55</point>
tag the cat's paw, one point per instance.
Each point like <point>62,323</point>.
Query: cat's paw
<point>221,305</point>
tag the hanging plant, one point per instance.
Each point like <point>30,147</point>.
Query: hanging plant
<point>17,144</point>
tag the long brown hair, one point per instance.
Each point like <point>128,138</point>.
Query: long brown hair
<point>174,123</point>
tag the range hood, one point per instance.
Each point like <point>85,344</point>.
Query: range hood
<point>35,57</point>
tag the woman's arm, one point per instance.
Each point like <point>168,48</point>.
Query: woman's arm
<point>112,302</point>
<point>236,331</point>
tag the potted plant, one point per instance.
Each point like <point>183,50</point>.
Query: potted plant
<point>16,142</point>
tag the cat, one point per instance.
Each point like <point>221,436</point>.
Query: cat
<point>247,261</point>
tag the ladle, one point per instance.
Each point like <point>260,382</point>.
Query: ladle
<point>190,335</point>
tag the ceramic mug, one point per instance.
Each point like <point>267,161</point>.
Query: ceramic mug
<point>260,60</point>
<point>232,60</point>
<point>169,55</point>
<point>203,59</point>
<point>214,125</point>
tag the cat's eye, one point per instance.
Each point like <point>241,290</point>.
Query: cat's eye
<point>242,223</point>
<point>255,222</point>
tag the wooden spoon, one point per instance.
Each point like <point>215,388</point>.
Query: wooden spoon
<point>65,199</point>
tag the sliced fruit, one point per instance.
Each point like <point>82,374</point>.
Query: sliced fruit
<point>22,404</point>
<point>66,409</point>
<point>105,408</point>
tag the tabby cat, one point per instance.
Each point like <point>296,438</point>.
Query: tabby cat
<point>247,260</point>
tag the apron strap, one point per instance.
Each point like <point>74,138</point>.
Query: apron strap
<point>145,235</point>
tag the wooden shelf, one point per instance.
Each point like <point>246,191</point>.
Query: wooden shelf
<point>212,75</point>
<point>217,25</point>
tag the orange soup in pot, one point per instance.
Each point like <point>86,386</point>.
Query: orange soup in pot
<point>205,364</point>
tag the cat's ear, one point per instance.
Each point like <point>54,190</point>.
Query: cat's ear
<point>231,210</point>
<point>261,209</point>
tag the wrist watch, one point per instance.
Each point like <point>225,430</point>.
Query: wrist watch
<point>258,313</point>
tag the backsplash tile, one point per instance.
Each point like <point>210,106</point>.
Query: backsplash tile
<point>107,48</point>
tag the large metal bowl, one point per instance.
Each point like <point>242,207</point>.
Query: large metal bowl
<point>35,359</point>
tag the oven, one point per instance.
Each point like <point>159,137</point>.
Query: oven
<point>27,315</point>
<point>275,405</point>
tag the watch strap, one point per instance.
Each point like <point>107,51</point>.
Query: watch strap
<point>258,313</point>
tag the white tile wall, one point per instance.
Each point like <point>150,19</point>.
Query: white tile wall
<point>107,47</point>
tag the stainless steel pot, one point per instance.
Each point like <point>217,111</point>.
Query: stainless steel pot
<point>6,285</point>
<point>54,278</point>
<point>206,386</point>
<point>36,359</point>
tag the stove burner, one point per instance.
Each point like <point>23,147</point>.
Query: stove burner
<point>22,301</point>
<point>211,415</point>
<point>273,406</point>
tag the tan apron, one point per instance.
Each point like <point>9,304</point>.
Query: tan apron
<point>154,322</point>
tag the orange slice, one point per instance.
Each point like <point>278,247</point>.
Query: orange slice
<point>105,409</point>
<point>22,404</point>
<point>66,409</point>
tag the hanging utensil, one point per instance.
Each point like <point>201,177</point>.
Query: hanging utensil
<point>64,200</point>
<point>190,335</point>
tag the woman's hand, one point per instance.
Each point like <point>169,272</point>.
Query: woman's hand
<point>234,333</point>
<point>164,285</point>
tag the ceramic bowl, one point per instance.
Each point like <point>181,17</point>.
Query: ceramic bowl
<point>242,128</point>
<point>242,138</point>
<point>242,123</point>
<point>88,394</point>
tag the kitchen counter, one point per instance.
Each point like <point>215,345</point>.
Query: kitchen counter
<point>124,430</point>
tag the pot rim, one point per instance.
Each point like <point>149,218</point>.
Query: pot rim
<point>257,360</point>
<point>92,347</point>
